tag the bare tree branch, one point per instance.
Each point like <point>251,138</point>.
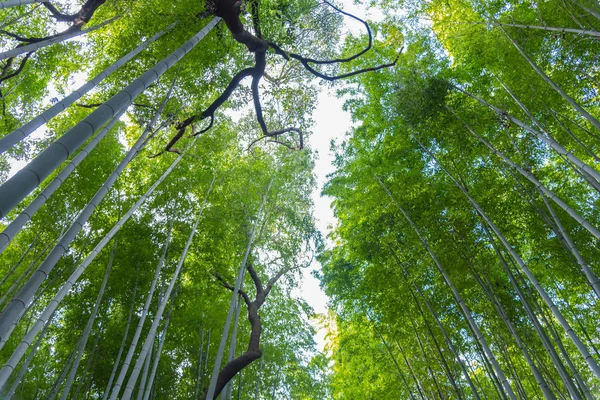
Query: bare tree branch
<point>230,287</point>
<point>57,15</point>
<point>9,63</point>
<point>229,11</point>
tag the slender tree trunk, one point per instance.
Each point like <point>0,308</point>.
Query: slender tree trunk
<point>142,387</point>
<point>558,365</point>
<point>19,261</point>
<point>438,322</point>
<point>15,226</point>
<point>23,182</point>
<point>435,342</point>
<point>88,365</point>
<point>587,9</point>
<point>88,327</point>
<point>50,41</point>
<point>587,336</point>
<point>258,378</point>
<point>24,131</point>
<point>25,366</point>
<point>490,293</point>
<point>239,389</point>
<point>553,29</point>
<point>199,371</point>
<point>577,125</point>
<point>510,366</point>
<point>574,137</point>
<point>16,3</point>
<point>205,369</point>
<point>122,347</point>
<point>549,302</point>
<point>398,369</point>
<point>161,342</point>
<point>590,228</point>
<point>426,359</point>
<point>232,346</point>
<point>457,297</point>
<point>589,274</point>
<point>61,377</point>
<point>15,308</point>
<point>23,275</point>
<point>584,173</point>
<point>563,351</point>
<point>138,331</point>
<point>210,394</point>
<point>549,81</point>
<point>552,143</point>
<point>420,388</point>
<point>150,338</point>
<point>18,18</point>
<point>9,366</point>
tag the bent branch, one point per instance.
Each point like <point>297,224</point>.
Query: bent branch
<point>229,11</point>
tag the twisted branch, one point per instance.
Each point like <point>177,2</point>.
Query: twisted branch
<point>229,11</point>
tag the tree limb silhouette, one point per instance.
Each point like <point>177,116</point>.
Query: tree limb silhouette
<point>77,20</point>
<point>253,352</point>
<point>229,11</point>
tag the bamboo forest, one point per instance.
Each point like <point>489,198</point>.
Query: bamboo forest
<point>164,166</point>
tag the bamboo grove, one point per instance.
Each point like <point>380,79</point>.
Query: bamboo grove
<point>464,261</point>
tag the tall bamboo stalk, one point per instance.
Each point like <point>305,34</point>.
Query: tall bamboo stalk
<point>395,362</point>
<point>91,361</point>
<point>547,299</point>
<point>16,3</point>
<point>426,359</point>
<point>122,347</point>
<point>238,284</point>
<point>405,275</point>
<point>532,315</point>
<point>43,318</point>
<point>549,141</point>
<point>554,86</point>
<point>589,274</point>
<point>15,226</point>
<point>50,41</point>
<point>199,369</point>
<point>15,308</point>
<point>584,32</point>
<point>138,331</point>
<point>25,366</point>
<point>88,327</point>
<point>9,22</point>
<point>418,384</point>
<point>150,338</point>
<point>232,345</point>
<point>23,275</point>
<point>592,278</point>
<point>457,296</point>
<point>491,294</point>
<point>23,182</point>
<point>24,131</point>
<point>161,342</point>
<point>146,370</point>
<point>19,261</point>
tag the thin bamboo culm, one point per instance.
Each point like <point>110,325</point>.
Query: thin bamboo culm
<point>15,189</point>
<point>24,131</point>
<point>15,308</point>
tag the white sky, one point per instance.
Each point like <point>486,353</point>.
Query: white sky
<point>331,122</point>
